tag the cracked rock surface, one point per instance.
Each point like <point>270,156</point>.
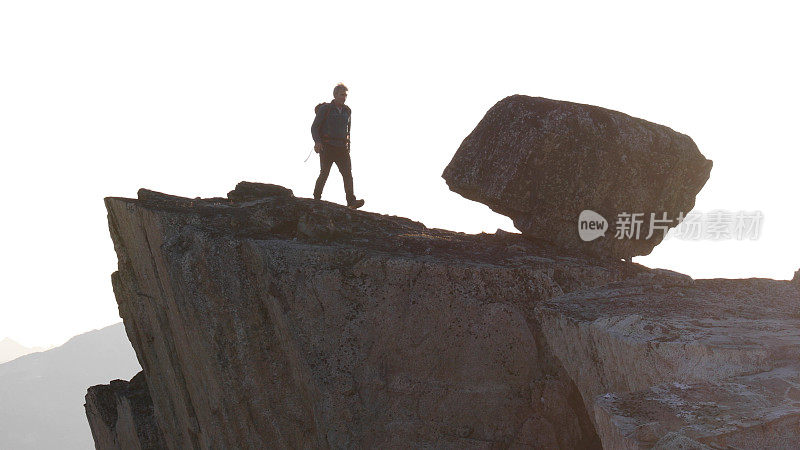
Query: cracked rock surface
<point>262,320</point>
<point>660,358</point>
<point>121,415</point>
<point>265,320</point>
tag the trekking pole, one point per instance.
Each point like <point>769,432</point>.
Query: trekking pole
<point>309,155</point>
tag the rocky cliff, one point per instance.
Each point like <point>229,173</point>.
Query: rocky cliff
<point>663,361</point>
<point>121,415</point>
<point>266,320</point>
<point>269,320</point>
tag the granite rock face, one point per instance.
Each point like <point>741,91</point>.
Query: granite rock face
<point>755,411</point>
<point>542,162</point>
<point>265,320</point>
<point>121,415</point>
<point>659,358</point>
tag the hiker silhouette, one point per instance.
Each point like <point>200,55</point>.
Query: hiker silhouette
<point>331,134</point>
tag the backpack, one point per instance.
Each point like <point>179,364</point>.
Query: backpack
<point>325,118</point>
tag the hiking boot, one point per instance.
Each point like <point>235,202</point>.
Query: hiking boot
<point>356,204</point>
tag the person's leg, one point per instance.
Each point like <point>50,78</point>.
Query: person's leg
<point>325,163</point>
<point>343,163</point>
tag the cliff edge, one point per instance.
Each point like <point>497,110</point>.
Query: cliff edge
<point>267,320</point>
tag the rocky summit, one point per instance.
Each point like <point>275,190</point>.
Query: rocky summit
<point>543,162</point>
<point>263,320</point>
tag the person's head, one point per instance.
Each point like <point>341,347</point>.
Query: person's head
<point>339,94</point>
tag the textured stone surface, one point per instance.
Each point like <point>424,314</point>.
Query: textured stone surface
<point>287,322</point>
<point>265,320</point>
<point>121,415</point>
<point>755,411</point>
<point>541,162</point>
<point>662,327</point>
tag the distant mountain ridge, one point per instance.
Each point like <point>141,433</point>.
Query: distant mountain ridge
<point>11,349</point>
<point>42,394</point>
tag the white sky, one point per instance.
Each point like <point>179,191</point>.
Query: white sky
<point>99,98</point>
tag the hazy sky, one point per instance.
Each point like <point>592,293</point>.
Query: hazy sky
<point>99,98</point>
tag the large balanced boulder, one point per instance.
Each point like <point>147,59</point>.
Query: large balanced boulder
<point>543,162</point>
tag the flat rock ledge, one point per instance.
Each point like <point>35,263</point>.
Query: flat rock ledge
<point>755,411</point>
<point>711,363</point>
